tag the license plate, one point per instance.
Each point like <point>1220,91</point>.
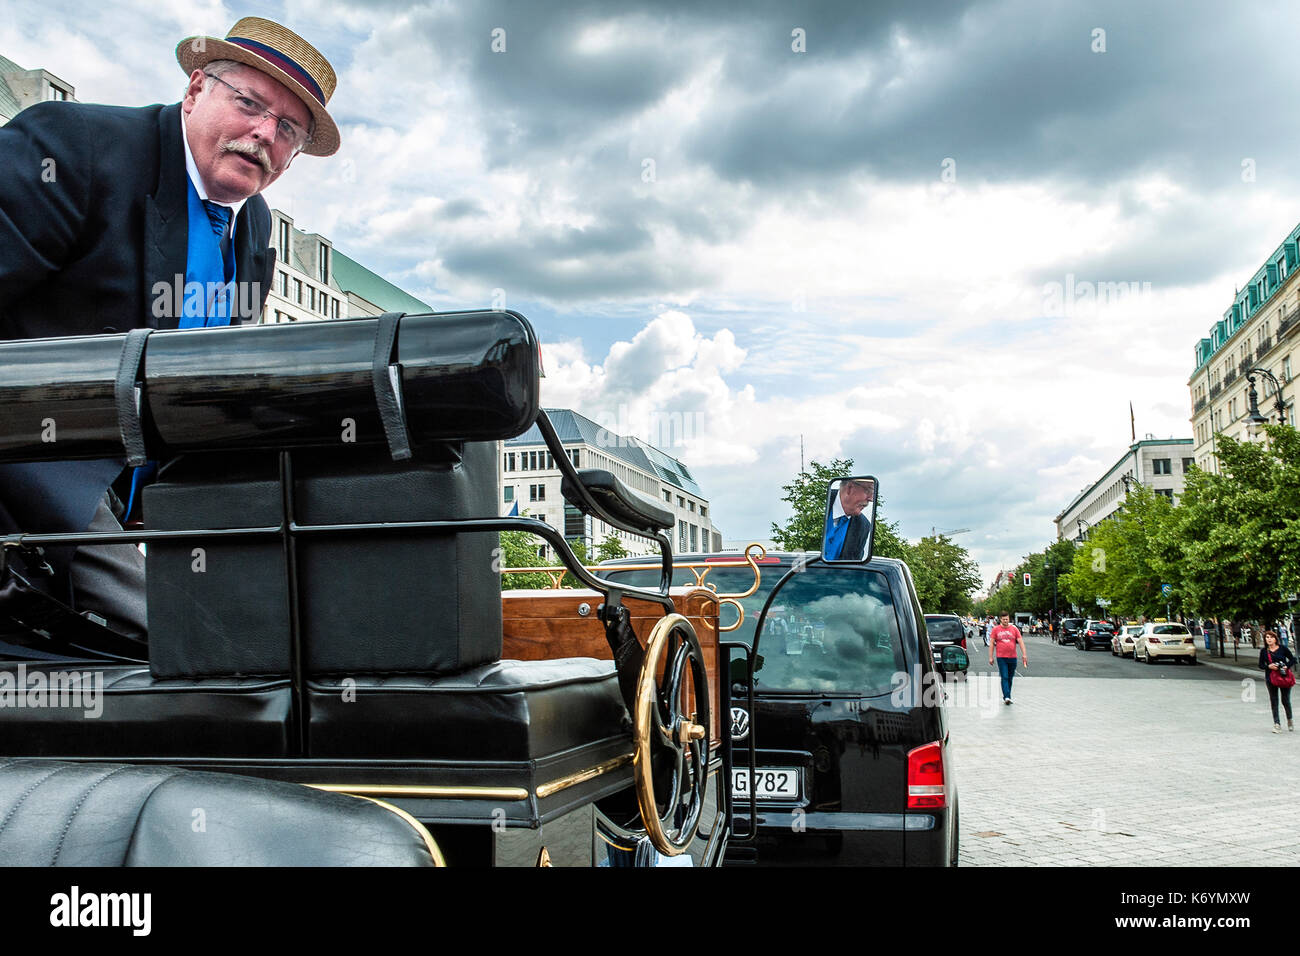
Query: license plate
<point>771,783</point>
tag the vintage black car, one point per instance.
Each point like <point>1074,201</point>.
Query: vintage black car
<point>324,594</point>
<point>853,763</point>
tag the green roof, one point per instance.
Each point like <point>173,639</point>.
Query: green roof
<point>8,102</point>
<point>353,277</point>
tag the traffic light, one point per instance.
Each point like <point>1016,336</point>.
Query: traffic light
<point>1026,579</point>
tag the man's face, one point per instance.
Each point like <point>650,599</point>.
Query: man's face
<point>1006,619</point>
<point>853,498</point>
<point>213,125</point>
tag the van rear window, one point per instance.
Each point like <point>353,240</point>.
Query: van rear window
<point>831,630</point>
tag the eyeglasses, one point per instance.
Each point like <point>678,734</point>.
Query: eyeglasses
<point>292,132</point>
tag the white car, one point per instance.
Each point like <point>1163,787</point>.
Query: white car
<point>1160,640</point>
<point>1122,644</point>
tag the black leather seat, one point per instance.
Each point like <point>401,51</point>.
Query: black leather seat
<point>64,814</point>
<point>508,710</point>
<point>124,711</point>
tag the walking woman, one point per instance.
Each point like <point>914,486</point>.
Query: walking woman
<point>1278,664</point>
<point>1006,638</point>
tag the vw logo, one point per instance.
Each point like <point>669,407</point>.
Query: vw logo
<point>739,723</point>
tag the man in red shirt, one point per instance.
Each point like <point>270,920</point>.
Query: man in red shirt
<point>1006,637</point>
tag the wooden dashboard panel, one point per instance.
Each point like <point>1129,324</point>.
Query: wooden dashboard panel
<point>546,624</point>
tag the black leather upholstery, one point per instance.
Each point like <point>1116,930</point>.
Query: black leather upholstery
<point>62,814</point>
<point>141,716</point>
<point>509,710</point>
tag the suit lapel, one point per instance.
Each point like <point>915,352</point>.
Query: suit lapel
<point>166,222</point>
<point>254,261</point>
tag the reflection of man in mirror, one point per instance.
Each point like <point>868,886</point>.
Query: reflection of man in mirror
<point>848,528</point>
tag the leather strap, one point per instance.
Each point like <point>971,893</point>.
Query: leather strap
<point>125,396</point>
<point>385,375</point>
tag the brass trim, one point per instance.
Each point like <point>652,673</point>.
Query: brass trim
<point>418,790</point>
<point>544,858</point>
<point>430,843</point>
<point>582,776</point>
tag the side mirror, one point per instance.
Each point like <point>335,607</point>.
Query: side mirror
<point>953,660</point>
<point>850,529</point>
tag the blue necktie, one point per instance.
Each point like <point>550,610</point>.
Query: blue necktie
<point>219,216</point>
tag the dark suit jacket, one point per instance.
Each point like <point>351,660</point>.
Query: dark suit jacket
<point>855,539</point>
<point>93,216</point>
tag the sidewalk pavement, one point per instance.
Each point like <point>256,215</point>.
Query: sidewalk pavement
<point>1247,662</point>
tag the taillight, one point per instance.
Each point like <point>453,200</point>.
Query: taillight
<point>1091,634</point>
<point>925,790</point>
<point>1153,640</point>
<point>962,642</point>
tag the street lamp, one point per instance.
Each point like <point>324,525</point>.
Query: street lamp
<point>1082,526</point>
<point>1255,420</point>
<point>1128,480</point>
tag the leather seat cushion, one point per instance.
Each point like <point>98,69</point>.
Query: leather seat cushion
<point>142,716</point>
<point>507,710</point>
<point>66,814</point>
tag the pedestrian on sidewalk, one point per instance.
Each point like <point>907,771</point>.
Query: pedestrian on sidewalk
<point>1006,638</point>
<point>1278,664</point>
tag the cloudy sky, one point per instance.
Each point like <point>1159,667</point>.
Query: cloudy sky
<point>848,222</point>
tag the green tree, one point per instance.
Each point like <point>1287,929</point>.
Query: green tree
<point>1234,539</point>
<point>610,549</point>
<point>944,575</point>
<point>519,550</point>
<point>806,496</point>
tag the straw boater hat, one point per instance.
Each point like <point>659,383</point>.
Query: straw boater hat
<point>282,55</point>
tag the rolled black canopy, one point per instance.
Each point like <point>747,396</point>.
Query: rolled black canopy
<point>465,376</point>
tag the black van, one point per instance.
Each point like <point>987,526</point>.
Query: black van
<point>854,764</point>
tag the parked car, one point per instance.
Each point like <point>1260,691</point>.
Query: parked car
<point>1161,640</point>
<point>853,758</point>
<point>945,630</point>
<point>1094,633</point>
<point>1121,644</point>
<point>1069,628</point>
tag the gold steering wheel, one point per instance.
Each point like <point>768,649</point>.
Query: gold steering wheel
<point>671,759</point>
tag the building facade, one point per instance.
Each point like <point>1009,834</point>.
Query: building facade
<point>314,281</point>
<point>1160,464</point>
<point>1257,330</point>
<point>21,88</point>
<point>529,481</point>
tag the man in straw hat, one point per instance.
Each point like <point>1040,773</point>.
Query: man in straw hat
<point>114,218</point>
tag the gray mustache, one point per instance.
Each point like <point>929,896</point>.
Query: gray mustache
<point>250,150</point>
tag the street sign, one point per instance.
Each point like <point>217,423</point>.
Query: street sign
<point>1026,579</point>
<point>1103,602</point>
<point>1166,590</point>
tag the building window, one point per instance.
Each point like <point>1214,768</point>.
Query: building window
<point>550,460</point>
<point>297,290</point>
<point>695,542</point>
<point>324,263</point>
<point>1161,466</point>
<point>284,284</point>
<point>311,297</point>
<point>681,534</point>
<point>536,492</point>
<point>1187,465</point>
<point>334,309</point>
<point>681,502</point>
<point>1286,369</point>
<point>1167,492</point>
<point>510,493</point>
<point>284,241</point>
<point>508,462</point>
<point>575,455</point>
<point>58,93</point>
<point>704,511</point>
<point>668,497</point>
<point>690,506</point>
